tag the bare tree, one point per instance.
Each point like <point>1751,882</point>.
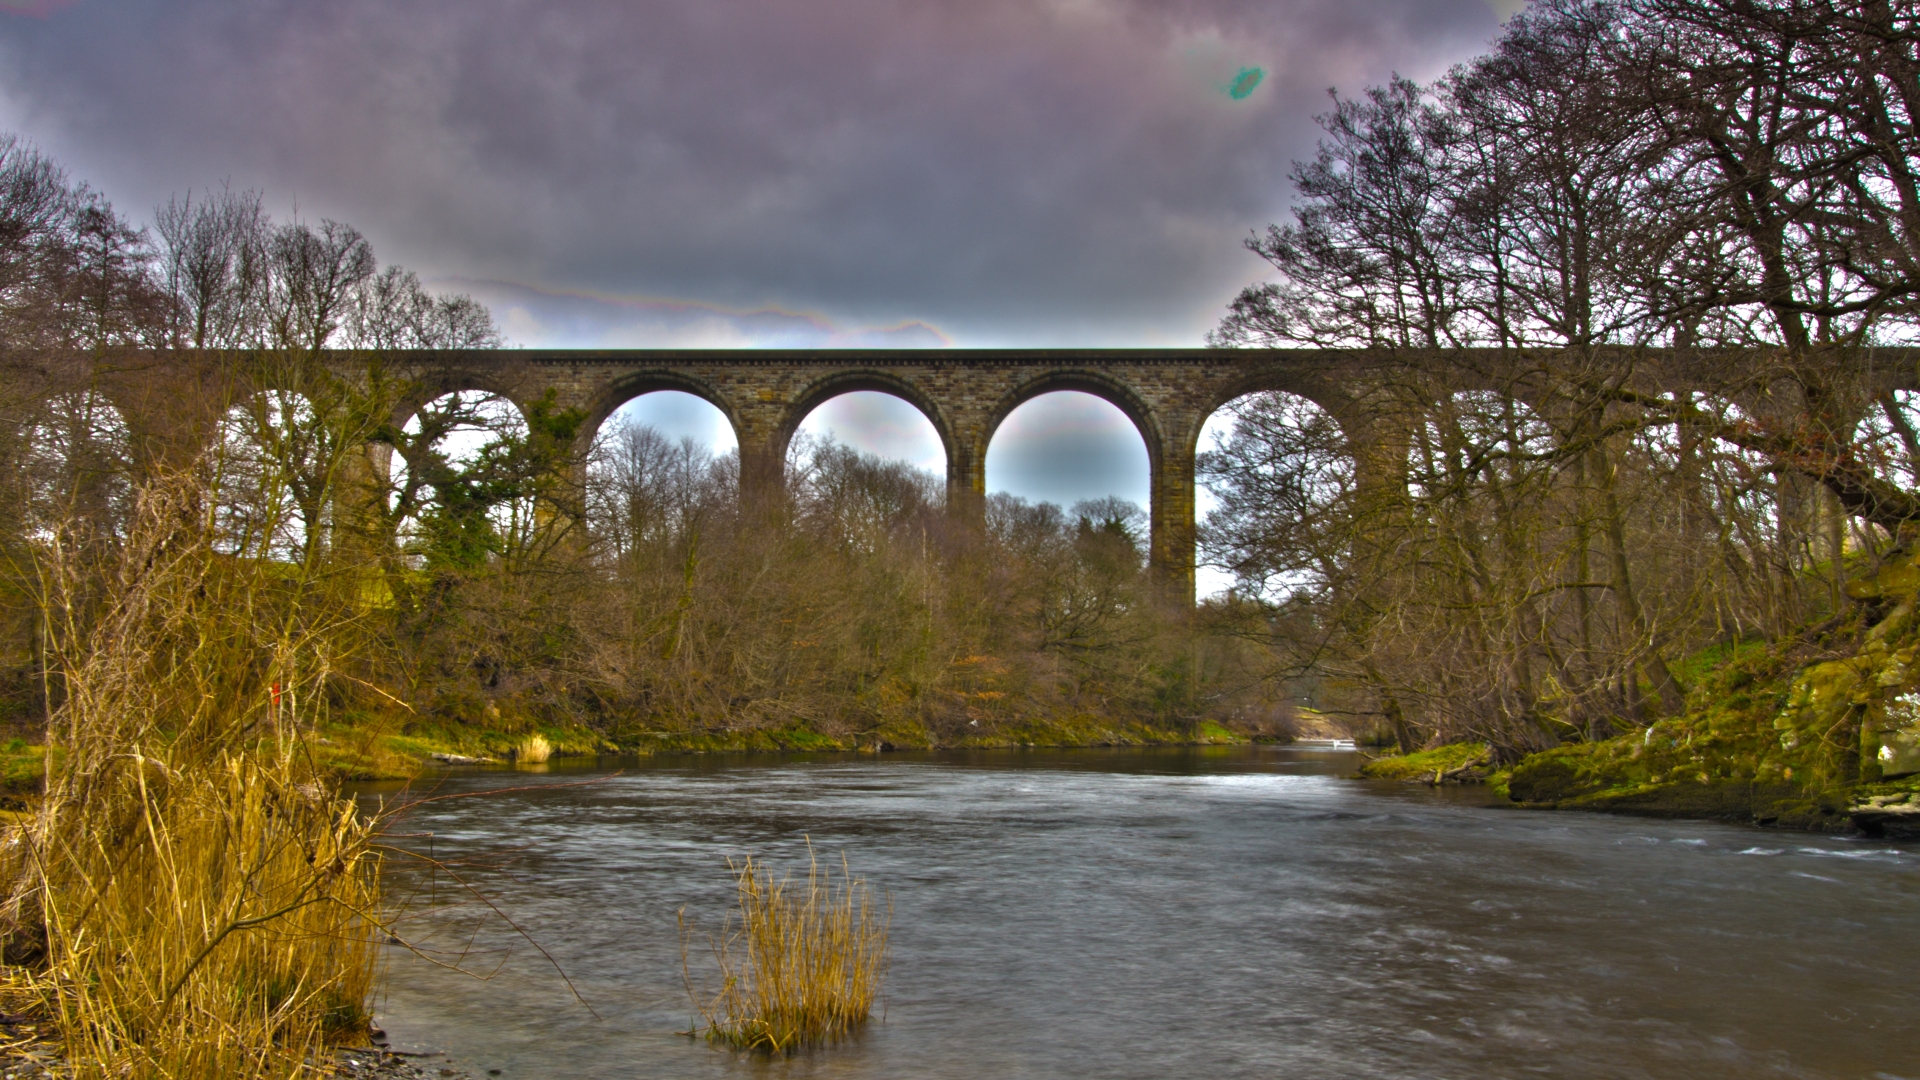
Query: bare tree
<point>213,264</point>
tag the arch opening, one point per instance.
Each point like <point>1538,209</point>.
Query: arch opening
<point>661,463</point>
<point>676,415</point>
<point>76,463</point>
<point>1276,479</point>
<point>272,473</point>
<point>874,422</point>
<point>1077,451</point>
<point>1888,438</point>
<point>1737,490</point>
<point>1887,441</point>
<point>863,464</point>
<point>1472,439</point>
<point>461,480</point>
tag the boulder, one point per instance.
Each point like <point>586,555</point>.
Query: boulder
<point>1899,734</point>
<point>1893,816</point>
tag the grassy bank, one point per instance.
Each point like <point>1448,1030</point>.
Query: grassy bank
<point>1455,763</point>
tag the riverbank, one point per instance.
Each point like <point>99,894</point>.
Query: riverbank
<point>1681,769</point>
<point>1819,732</point>
<point>33,1046</point>
<point>385,748</point>
<point>31,1054</point>
<point>1630,775</point>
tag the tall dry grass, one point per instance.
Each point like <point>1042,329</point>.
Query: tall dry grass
<point>201,901</point>
<point>803,967</point>
<point>532,750</point>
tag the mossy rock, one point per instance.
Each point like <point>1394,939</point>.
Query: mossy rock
<point>1550,778</point>
<point>1427,766</point>
<point>1730,800</point>
<point>1898,578</point>
<point>1764,739</point>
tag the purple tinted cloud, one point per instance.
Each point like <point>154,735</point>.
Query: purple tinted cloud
<point>1040,171</point>
<point>581,320</point>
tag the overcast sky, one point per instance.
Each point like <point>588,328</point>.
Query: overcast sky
<point>742,172</point>
<point>974,172</point>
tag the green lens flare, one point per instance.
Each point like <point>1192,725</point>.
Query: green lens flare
<point>1244,82</point>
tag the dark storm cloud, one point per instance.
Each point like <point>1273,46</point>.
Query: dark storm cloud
<point>1042,171</point>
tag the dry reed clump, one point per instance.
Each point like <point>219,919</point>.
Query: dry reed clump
<point>193,900</point>
<point>533,749</point>
<point>208,921</point>
<point>804,966</point>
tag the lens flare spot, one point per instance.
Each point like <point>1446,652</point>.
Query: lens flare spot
<point>1245,81</point>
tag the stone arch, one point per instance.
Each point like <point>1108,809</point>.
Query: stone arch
<point>175,403</point>
<point>495,414</point>
<point>1098,383</point>
<point>1470,438</point>
<point>422,392</point>
<point>1874,432</point>
<point>640,384</point>
<point>1317,468</point>
<point>1169,469</point>
<point>967,470</point>
<point>1064,446</point>
<point>441,382</point>
<point>269,498</point>
<point>855,379</point>
<point>823,390</point>
<point>1338,404</point>
<point>77,454</point>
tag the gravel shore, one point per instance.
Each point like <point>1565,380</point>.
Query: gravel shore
<point>28,1056</point>
<point>380,1063</point>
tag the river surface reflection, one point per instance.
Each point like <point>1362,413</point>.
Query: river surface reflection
<point>1235,912</point>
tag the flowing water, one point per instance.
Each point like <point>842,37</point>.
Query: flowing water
<point>1239,912</point>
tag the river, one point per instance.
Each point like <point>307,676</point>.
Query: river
<point>1208,913</point>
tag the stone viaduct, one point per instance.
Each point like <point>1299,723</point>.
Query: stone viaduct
<point>964,393</point>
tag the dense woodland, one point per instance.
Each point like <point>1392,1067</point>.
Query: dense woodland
<point>1680,242</point>
<point>1672,247</point>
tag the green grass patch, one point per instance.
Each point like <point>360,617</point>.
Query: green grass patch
<point>1697,666</point>
<point>1423,764</point>
<point>23,767</point>
<point>1210,732</point>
